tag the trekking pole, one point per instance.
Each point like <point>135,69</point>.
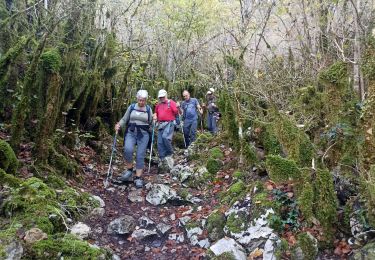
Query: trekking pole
<point>109,173</point>
<point>152,142</point>
<point>183,135</point>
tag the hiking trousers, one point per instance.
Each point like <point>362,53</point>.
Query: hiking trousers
<point>140,139</point>
<point>165,135</point>
<point>211,121</point>
<point>190,130</point>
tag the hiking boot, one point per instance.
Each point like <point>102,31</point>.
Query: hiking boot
<point>126,175</point>
<point>138,183</point>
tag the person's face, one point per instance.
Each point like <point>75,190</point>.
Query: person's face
<point>186,95</point>
<point>142,102</point>
<point>162,99</point>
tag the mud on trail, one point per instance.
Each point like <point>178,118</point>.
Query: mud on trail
<point>174,244</point>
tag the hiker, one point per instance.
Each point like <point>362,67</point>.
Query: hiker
<point>137,120</point>
<point>189,109</point>
<point>213,111</point>
<point>165,114</point>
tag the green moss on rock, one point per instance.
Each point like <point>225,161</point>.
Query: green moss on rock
<point>51,60</point>
<point>66,246</point>
<point>280,169</point>
<point>216,153</point>
<point>9,179</point>
<point>308,245</point>
<point>213,166</point>
<point>8,159</point>
<point>215,225</point>
<point>237,222</point>
<point>306,201</point>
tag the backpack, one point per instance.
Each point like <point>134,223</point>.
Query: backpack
<point>148,110</point>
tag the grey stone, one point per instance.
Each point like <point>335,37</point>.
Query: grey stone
<point>115,257</point>
<point>13,251</point>
<point>123,225</point>
<point>97,212</point>
<point>160,194</point>
<point>173,217</point>
<point>145,222</point>
<point>184,220</point>
<point>81,230</point>
<point>228,245</point>
<point>163,228</point>
<point>270,247</point>
<point>136,196</point>
<point>366,252</point>
<point>182,172</point>
<point>204,243</point>
<point>193,234</point>
<point>100,200</point>
<point>140,234</point>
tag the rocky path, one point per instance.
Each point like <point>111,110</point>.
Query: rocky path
<point>134,228</point>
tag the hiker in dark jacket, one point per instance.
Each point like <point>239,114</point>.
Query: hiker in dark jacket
<point>189,109</point>
<point>137,120</point>
<point>212,111</point>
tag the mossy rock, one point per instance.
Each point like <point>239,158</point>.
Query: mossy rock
<point>66,246</point>
<point>235,192</point>
<point>9,179</point>
<point>213,166</point>
<point>178,140</point>
<point>281,170</point>
<point>237,222</point>
<point>249,154</point>
<point>238,175</point>
<point>325,203</point>
<point>224,256</point>
<point>307,246</point>
<point>8,235</point>
<point>216,153</point>
<point>306,201</point>
<point>269,140</point>
<point>63,164</point>
<point>8,159</point>
<point>215,225</point>
<point>204,138</point>
<point>51,61</point>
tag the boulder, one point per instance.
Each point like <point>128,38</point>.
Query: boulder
<point>228,245</point>
<point>121,226</point>
<point>81,230</point>
<point>140,234</point>
<point>34,235</point>
<point>181,172</point>
<point>136,196</point>
<point>160,194</point>
<point>145,222</point>
<point>163,228</point>
<point>100,200</point>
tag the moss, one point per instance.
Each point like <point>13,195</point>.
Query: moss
<point>178,140</point>
<point>281,249</point>
<point>66,246</point>
<point>216,153</point>
<point>235,192</point>
<point>280,169</point>
<point>337,73</point>
<point>192,224</point>
<point>215,225</point>
<point>368,191</point>
<point>76,203</point>
<point>7,236</point>
<point>8,159</point>
<point>306,201</point>
<point>308,245</point>
<point>368,63</point>
<point>51,61</point>
<point>269,141</point>
<point>66,166</point>
<point>204,138</point>
<point>237,222</point>
<point>9,179</point>
<point>213,166</point>
<point>183,193</point>
<point>238,175</point>
<point>249,154</point>
<point>237,188</point>
<point>224,256</point>
<point>326,202</point>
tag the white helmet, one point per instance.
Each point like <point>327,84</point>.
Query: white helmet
<point>212,90</point>
<point>142,93</point>
<point>162,93</point>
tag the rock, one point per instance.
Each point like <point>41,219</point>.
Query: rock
<point>200,171</point>
<point>181,172</point>
<point>228,245</point>
<point>13,251</point>
<point>204,243</point>
<point>163,228</point>
<point>270,247</point>
<point>136,196</point>
<point>160,194</point>
<point>33,235</point>
<point>166,165</point>
<point>121,226</point>
<point>193,234</point>
<point>145,222</point>
<point>97,212</point>
<point>173,217</point>
<point>81,230</point>
<point>140,234</point>
<point>100,200</point>
<point>115,257</point>
<point>254,233</point>
<point>184,220</point>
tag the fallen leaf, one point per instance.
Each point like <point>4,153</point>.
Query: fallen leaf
<point>256,253</point>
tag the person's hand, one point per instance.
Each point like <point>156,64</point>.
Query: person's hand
<point>154,118</point>
<point>117,127</point>
<point>177,104</point>
<point>213,104</point>
<point>203,105</point>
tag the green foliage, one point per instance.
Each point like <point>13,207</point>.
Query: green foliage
<point>238,175</point>
<point>66,246</point>
<point>306,201</point>
<point>308,245</point>
<point>368,62</point>
<point>51,61</point>
<point>8,159</point>
<point>224,256</point>
<point>249,154</point>
<point>325,202</point>
<point>235,192</point>
<point>215,225</point>
<point>337,73</point>
<point>7,236</point>
<point>369,193</point>
<point>269,141</point>
<point>281,170</point>
<point>216,153</point>
<point>9,179</point>
<point>237,222</point>
<point>213,166</point>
